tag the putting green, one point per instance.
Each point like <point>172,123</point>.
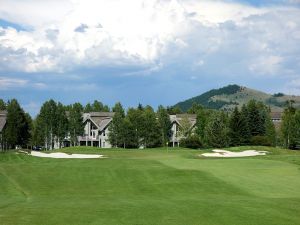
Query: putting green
<point>150,187</point>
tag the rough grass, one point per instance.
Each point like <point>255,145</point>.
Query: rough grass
<point>153,186</point>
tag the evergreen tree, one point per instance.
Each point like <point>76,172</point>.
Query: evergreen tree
<point>288,126</point>
<point>48,122</point>
<point>2,105</point>
<point>201,122</point>
<point>106,108</point>
<point>217,131</point>
<point>62,124</point>
<point>195,108</point>
<point>136,123</point>
<point>270,130</point>
<point>88,108</point>
<point>97,106</point>
<point>297,128</point>
<point>235,128</point>
<point>116,128</point>
<point>129,134</point>
<point>256,118</point>
<point>17,129</point>
<point>140,107</point>
<point>173,110</point>
<point>27,130</point>
<point>76,127</point>
<point>164,124</point>
<point>151,135</point>
<point>245,130</point>
<point>38,133</point>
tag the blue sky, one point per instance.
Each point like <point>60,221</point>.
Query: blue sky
<point>153,52</point>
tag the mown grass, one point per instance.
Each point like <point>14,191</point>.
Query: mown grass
<point>151,187</point>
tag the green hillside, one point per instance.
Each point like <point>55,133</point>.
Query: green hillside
<point>234,95</point>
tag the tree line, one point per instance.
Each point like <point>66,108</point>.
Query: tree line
<point>144,127</point>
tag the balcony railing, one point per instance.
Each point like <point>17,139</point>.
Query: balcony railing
<point>87,138</point>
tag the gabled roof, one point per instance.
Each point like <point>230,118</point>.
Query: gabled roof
<point>104,123</point>
<point>100,119</point>
<point>179,117</point>
<point>2,119</point>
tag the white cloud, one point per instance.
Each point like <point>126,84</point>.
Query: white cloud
<point>7,83</point>
<point>268,65</point>
<point>150,33</point>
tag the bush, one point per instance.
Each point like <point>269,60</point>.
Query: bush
<point>191,142</point>
<point>260,140</point>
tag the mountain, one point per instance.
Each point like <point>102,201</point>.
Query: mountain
<point>234,95</point>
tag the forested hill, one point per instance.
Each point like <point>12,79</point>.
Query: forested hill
<point>234,95</point>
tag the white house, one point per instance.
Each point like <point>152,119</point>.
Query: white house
<point>176,121</point>
<point>96,129</point>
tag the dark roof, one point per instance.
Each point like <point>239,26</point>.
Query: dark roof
<point>276,115</point>
<point>2,119</point>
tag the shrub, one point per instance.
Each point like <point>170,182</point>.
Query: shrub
<point>191,142</point>
<point>261,140</point>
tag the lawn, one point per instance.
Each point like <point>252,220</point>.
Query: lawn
<point>151,187</point>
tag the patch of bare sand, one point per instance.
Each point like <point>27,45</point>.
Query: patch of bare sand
<point>60,155</point>
<point>228,154</point>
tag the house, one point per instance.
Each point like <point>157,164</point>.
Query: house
<point>3,115</point>
<point>96,129</point>
<point>178,121</point>
<point>276,118</point>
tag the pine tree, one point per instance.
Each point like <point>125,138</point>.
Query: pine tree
<point>164,124</point>
<point>151,136</point>
<point>76,127</point>
<point>136,120</point>
<point>256,118</point>
<point>17,129</point>
<point>235,128</point>
<point>2,105</point>
<point>195,108</point>
<point>48,122</point>
<point>38,132</point>
<point>245,130</point>
<point>201,122</point>
<point>62,124</point>
<point>288,126</point>
<point>116,128</point>
<point>173,110</point>
<point>88,108</point>
<point>129,134</point>
<point>217,131</point>
<point>97,106</point>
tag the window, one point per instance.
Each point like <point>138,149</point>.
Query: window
<point>103,144</point>
<point>104,133</point>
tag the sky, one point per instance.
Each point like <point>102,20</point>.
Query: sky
<point>155,52</point>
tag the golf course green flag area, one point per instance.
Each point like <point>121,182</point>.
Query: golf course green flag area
<point>151,187</point>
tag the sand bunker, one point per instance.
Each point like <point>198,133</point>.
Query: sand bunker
<point>224,153</point>
<point>60,155</point>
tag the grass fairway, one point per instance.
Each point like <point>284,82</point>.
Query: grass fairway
<point>151,187</point>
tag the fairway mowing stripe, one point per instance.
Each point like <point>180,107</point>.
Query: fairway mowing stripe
<point>15,184</point>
